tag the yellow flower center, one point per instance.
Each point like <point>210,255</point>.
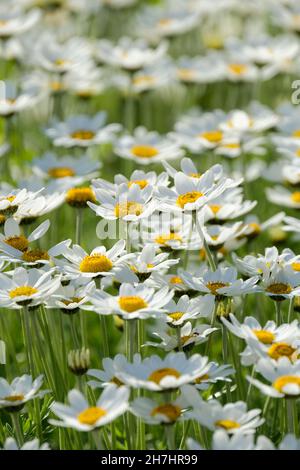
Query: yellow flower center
<point>295,197</point>
<point>215,286</point>
<point>212,136</point>
<point>186,75</point>
<point>279,288</point>
<point>82,134</point>
<point>172,412</point>
<point>195,175</point>
<point>176,315</point>
<point>19,242</point>
<point>176,280</point>
<point>116,381</point>
<point>164,239</point>
<point>159,374</point>
<point>298,153</point>
<point>201,379</point>
<point>278,350</point>
<point>144,151</point>
<point>60,172</point>
<point>72,300</point>
<point>284,380</point>
<point>296,266</point>
<point>60,62</point>
<point>143,80</point>
<point>22,291</point>
<point>141,183</point>
<point>188,198</point>
<point>132,303</point>
<point>91,415</point>
<point>56,86</point>
<point>232,145</point>
<point>264,336</point>
<point>2,219</point>
<point>296,134</point>
<point>255,227</point>
<point>215,208</point>
<point>95,264</point>
<point>13,398</point>
<point>10,209</point>
<point>165,22</point>
<point>78,197</point>
<point>31,256</point>
<point>237,69</point>
<point>227,424</point>
<point>128,208</point>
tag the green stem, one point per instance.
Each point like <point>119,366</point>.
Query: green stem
<point>79,215</point>
<point>17,428</point>
<point>170,436</point>
<point>278,313</point>
<point>290,415</point>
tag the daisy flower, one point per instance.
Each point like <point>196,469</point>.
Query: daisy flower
<point>106,376</point>
<point>100,262</point>
<point>15,21</point>
<point>76,171</point>
<point>228,206</point>
<point>199,133</point>
<point>144,264</point>
<point>157,374</point>
<point>14,238</point>
<point>30,288</point>
<point>253,226</point>
<point>222,282</point>
<point>282,375</point>
<point>166,21</point>
<point>189,337</point>
<point>139,177</point>
<point>275,341</point>
<point>132,302</point>
<point>79,415</point>
<point>15,100</point>
<point>37,206</point>
<point>283,197</point>
<point>59,58</point>
<point>129,54</point>
<point>258,118</point>
<point>190,194</point>
<point>232,417</point>
<point>214,374</point>
<point>82,131</point>
<point>152,412</point>
<point>12,200</point>
<point>71,297</point>
<point>281,283</point>
<point>14,395</point>
<point>186,309</point>
<point>11,444</point>
<point>146,147</point>
<point>221,440</point>
<point>130,204</point>
<point>189,168</point>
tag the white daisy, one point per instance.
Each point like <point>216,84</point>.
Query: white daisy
<point>157,374</point>
<point>79,415</point>
<point>82,131</point>
<point>146,147</point>
<point>132,302</point>
<point>20,391</point>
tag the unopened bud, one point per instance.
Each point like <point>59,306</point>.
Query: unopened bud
<point>79,361</point>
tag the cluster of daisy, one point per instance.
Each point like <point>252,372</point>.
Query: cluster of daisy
<point>148,298</point>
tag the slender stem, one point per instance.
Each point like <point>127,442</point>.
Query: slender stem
<point>178,334</point>
<point>170,436</point>
<point>105,343</point>
<point>208,253</point>
<point>290,311</point>
<point>130,331</point>
<point>290,415</point>
<point>19,432</point>
<point>225,357</point>
<point>278,313</point>
<point>79,217</point>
